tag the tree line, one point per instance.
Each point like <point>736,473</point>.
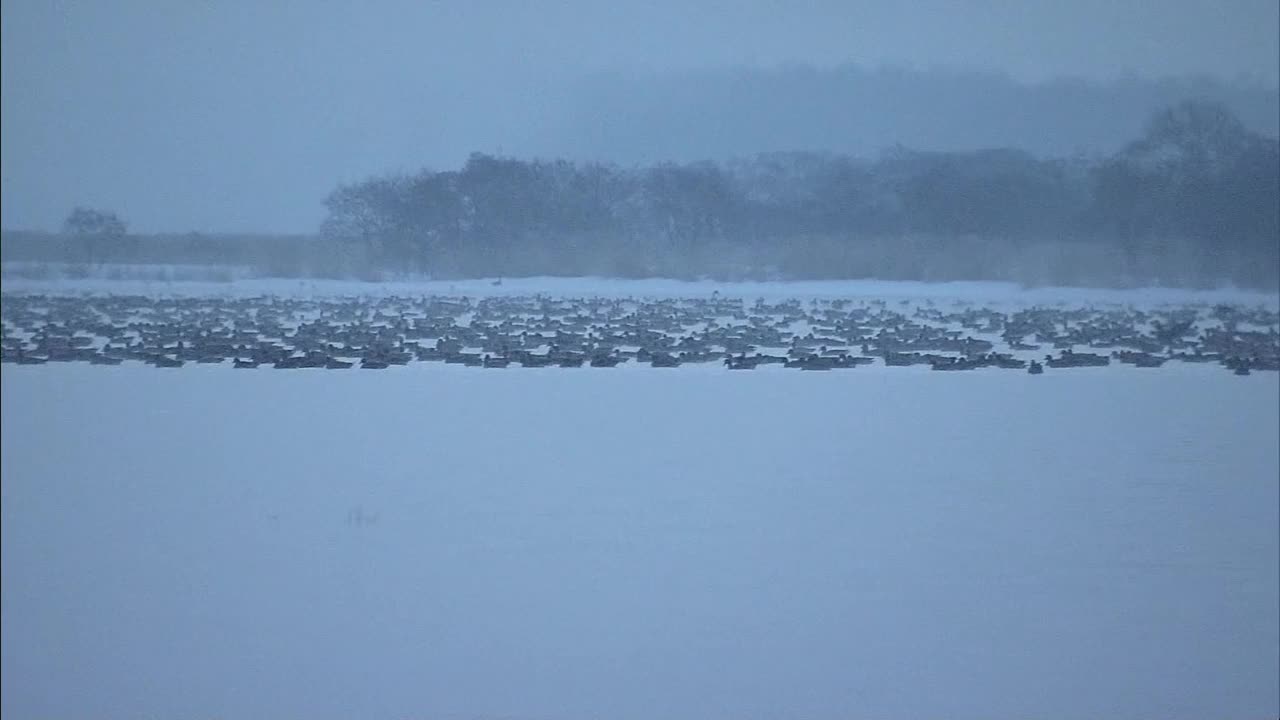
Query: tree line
<point>1194,199</point>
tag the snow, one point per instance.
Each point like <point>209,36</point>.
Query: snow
<point>991,292</point>
<point>445,543</point>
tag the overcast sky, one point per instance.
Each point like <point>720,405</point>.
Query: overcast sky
<point>241,116</point>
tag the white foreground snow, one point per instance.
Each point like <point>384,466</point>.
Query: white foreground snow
<point>446,543</point>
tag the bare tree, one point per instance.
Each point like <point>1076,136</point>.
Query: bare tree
<point>94,229</point>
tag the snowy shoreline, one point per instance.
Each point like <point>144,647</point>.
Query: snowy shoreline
<point>991,292</point>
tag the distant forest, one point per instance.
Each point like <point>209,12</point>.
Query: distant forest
<point>1193,201</point>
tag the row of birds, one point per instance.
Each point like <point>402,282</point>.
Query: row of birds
<point>539,331</point>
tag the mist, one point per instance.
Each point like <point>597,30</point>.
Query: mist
<point>574,359</point>
<point>239,117</point>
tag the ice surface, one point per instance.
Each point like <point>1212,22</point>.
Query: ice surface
<point>444,543</point>
<point>987,292</point>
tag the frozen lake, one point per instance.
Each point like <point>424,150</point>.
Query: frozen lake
<point>445,543</point>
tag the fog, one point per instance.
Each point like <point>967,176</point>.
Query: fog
<point>571,359</point>
<point>241,117</point>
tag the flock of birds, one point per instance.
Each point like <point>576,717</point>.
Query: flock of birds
<point>500,332</point>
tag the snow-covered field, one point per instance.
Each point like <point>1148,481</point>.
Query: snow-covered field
<point>445,543</point>
<point>986,292</point>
